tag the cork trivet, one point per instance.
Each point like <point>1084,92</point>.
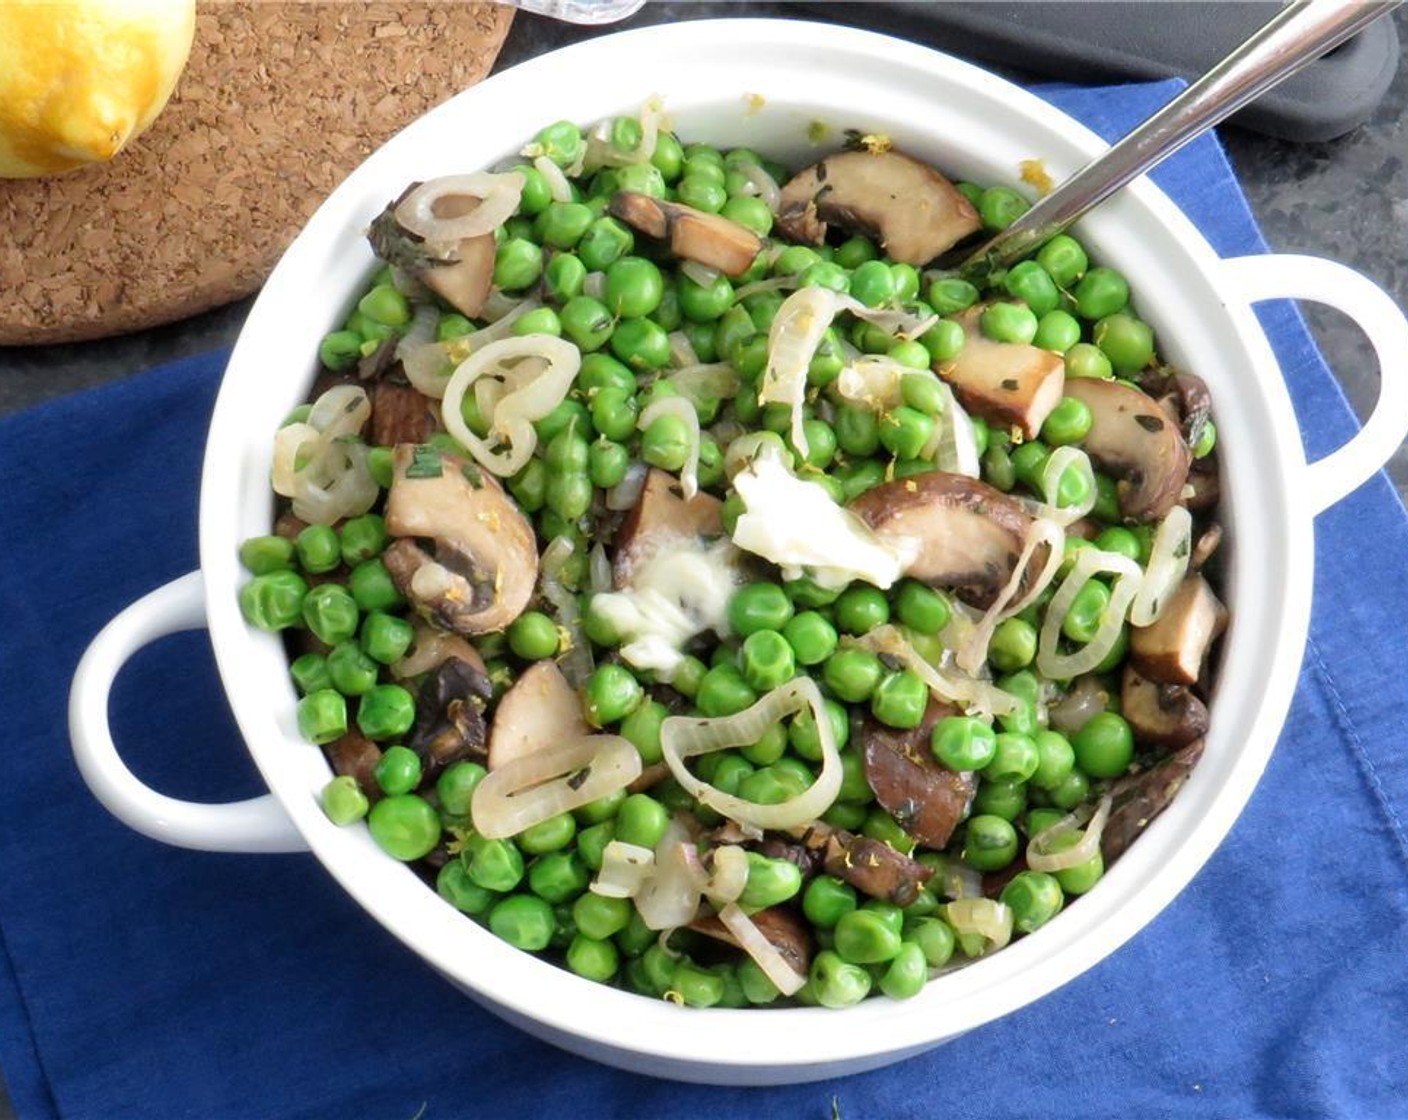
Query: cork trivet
<point>278,103</point>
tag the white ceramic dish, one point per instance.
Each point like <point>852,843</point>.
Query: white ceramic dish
<point>763,83</point>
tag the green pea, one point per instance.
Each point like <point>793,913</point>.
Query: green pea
<point>330,612</point>
<point>610,694</point>
<point>828,360</point>
<point>990,842</point>
<point>1001,797</point>
<point>1055,759</point>
<point>852,674</point>
<point>456,785</point>
<point>767,660</point>
<point>835,982</point>
<point>340,350</point>
<point>857,430</point>
<point>757,988</point>
<point>318,547</point>
<point>804,738</point>
<point>944,340</point>
<point>261,555</point>
<point>861,608</point>
<point>569,495</point>
<point>923,392</point>
<point>563,277</point>
<point>585,322</point>
<point>750,212</point>
<point>551,835</point>
<point>634,287</point>
<point>373,588</point>
<point>963,742</point>
<point>1016,758</point>
<point>608,463</point>
<point>635,937</point>
<point>1064,259</point>
<point>999,207</point>
<point>1029,461</point>
<point>724,692</point>
<point>728,771</point>
<point>921,608</point>
<point>1029,282</point>
<point>1069,422</point>
<point>899,700</point>
<point>1206,440</point>
<point>593,959</point>
<point>880,825</point>
<point>1034,897</point>
<point>641,820</point>
<point>826,899</point>
<point>385,637</point>
<point>343,800</point>
<point>614,413</point>
<point>404,826</point>
<point>385,304</point>
<point>758,606</point>
<point>541,320</point>
<point>904,431</point>
<point>1085,359</point>
<point>592,841</point>
<point>665,442</point>
<point>1127,341</point>
<point>274,600</point>
<point>1086,610</point>
<point>873,283</point>
<point>697,987</point>
<point>907,281</point>
<point>1072,791</point>
<point>997,467</point>
<point>770,882</point>
<point>386,711</point>
<point>642,178</point>
<point>906,974</point>
<point>398,770</point>
<point>703,192</point>
<point>768,786</point>
<point>310,672</point>
<point>825,274</point>
<point>1057,330</point>
<point>871,338</point>
<point>351,669</point>
<point>1008,322</point>
<point>1101,292</point>
<point>496,865</point>
<point>812,638</point>
<point>1013,645</point>
<point>856,251</point>
<point>518,263</point>
<point>668,156</point>
<point>950,295</point>
<point>935,939</point>
<point>864,936</point>
<point>658,966</point>
<point>1104,745</point>
<point>795,259</point>
<point>561,142</point>
<point>1083,876</point>
<point>606,242</point>
<point>524,921</point>
<point>362,538</point>
<point>641,343</point>
<point>533,636</point>
<point>562,224</point>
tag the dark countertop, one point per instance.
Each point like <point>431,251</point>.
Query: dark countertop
<point>1346,199</point>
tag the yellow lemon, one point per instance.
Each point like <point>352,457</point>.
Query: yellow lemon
<point>80,78</point>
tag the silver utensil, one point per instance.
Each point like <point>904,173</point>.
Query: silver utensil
<point>1295,37</point>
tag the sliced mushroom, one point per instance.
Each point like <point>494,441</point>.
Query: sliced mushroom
<point>1205,546</point>
<point>1204,488</point>
<point>970,533</point>
<point>908,207</point>
<point>1134,440</point>
<point>926,798</point>
<point>1139,798</point>
<point>463,276</point>
<point>1163,715</point>
<point>430,647</point>
<point>1171,649</point>
<point>485,563</point>
<point>1008,384</point>
<point>689,233</point>
<point>449,715</point>
<point>401,414</point>
<point>356,756</point>
<point>660,516</point>
<point>783,929</point>
<point>540,710</point>
<point>871,866</point>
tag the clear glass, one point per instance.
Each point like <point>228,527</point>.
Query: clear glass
<point>580,11</point>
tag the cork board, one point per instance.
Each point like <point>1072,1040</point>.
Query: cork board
<point>278,103</point>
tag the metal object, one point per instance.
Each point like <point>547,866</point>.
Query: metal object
<point>1295,37</point>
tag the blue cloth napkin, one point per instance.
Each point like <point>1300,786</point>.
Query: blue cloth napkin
<point>138,980</point>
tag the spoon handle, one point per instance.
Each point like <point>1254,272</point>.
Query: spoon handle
<point>1296,36</point>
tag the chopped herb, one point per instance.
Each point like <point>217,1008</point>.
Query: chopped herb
<point>1181,551</point>
<point>1010,384</point>
<point>579,779</point>
<point>425,463</point>
<point>471,472</point>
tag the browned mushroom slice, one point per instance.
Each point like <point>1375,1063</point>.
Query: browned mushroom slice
<point>692,234</point>
<point>1164,715</point>
<point>449,715</point>
<point>662,515</point>
<point>1171,649</point>
<point>1139,798</point>
<point>356,756</point>
<point>401,414</point>
<point>463,275</point>
<point>1008,384</point>
<point>783,929</point>
<point>1204,488</point>
<point>871,866</point>
<point>926,798</point>
<point>1136,441</point>
<point>1204,547</point>
<point>485,563</point>
<point>908,207</point>
<point>970,533</point>
<point>540,710</point>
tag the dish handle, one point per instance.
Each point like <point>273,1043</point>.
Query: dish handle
<point>256,825</point>
<point>1287,276</point>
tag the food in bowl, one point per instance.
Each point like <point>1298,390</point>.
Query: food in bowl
<point>702,588</point>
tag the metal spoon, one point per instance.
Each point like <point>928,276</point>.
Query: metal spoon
<point>1291,40</point>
